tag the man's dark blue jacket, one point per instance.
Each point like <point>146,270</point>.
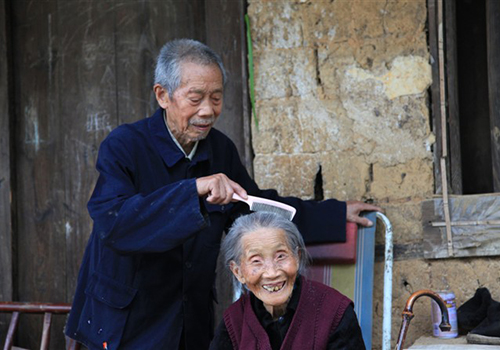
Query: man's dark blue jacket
<point>148,271</point>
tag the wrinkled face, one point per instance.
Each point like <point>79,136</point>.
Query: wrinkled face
<point>195,105</point>
<point>268,267</point>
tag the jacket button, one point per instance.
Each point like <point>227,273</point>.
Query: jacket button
<point>188,264</point>
<point>88,321</point>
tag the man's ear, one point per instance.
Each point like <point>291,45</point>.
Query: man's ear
<point>161,96</point>
<point>236,270</point>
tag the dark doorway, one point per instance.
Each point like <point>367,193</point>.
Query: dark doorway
<point>471,51</point>
<point>474,112</point>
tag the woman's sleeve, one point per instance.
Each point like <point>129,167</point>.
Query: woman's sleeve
<point>348,335</point>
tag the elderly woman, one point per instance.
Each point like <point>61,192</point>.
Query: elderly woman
<point>280,308</point>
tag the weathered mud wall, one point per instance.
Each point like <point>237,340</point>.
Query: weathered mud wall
<point>344,85</point>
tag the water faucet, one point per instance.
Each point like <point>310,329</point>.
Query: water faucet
<point>408,314</point>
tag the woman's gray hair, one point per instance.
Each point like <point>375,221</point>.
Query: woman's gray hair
<point>173,53</point>
<point>231,248</point>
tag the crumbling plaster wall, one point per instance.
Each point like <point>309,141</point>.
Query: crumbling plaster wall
<point>344,84</point>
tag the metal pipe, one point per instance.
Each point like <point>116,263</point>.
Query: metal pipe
<point>408,314</point>
<point>386,323</point>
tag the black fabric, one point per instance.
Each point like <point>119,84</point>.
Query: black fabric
<point>490,326</point>
<point>276,329</point>
<point>473,311</point>
<point>348,335</point>
<point>480,315</point>
<point>221,340</point>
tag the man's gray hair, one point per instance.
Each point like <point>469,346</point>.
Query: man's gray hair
<point>176,52</point>
<point>232,250</point>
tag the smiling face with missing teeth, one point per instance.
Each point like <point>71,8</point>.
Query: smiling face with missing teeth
<point>268,267</point>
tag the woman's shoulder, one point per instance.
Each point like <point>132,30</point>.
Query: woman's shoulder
<point>237,308</point>
<point>313,287</point>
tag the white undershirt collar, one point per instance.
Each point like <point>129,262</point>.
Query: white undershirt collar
<point>193,151</point>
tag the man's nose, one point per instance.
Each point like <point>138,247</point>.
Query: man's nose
<point>206,109</point>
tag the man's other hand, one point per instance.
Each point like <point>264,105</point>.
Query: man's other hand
<point>354,208</point>
<point>219,188</point>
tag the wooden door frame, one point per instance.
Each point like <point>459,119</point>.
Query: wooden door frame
<point>493,43</point>
<point>6,231</point>
<point>6,283</point>
<point>454,158</point>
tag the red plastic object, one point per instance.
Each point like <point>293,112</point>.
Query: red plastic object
<point>336,253</point>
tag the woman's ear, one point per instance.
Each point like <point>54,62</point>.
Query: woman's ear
<point>236,270</point>
<point>298,254</point>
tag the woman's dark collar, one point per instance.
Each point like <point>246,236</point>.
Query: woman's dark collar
<point>264,316</point>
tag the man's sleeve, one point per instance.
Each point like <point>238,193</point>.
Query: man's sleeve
<point>132,222</point>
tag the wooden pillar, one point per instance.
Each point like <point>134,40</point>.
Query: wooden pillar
<point>454,158</point>
<point>6,283</point>
<point>435,93</point>
<point>454,161</point>
<point>493,37</point>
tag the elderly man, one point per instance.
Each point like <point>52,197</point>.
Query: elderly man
<point>160,206</point>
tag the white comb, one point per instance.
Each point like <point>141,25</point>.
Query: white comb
<point>267,205</point>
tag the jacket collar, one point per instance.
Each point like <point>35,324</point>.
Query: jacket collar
<point>170,153</point>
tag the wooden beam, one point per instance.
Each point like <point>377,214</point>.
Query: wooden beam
<point>467,223</point>
<point>493,37</point>
<point>6,285</point>
<point>475,226</point>
<point>405,251</point>
<point>6,275</point>
<point>435,94</point>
